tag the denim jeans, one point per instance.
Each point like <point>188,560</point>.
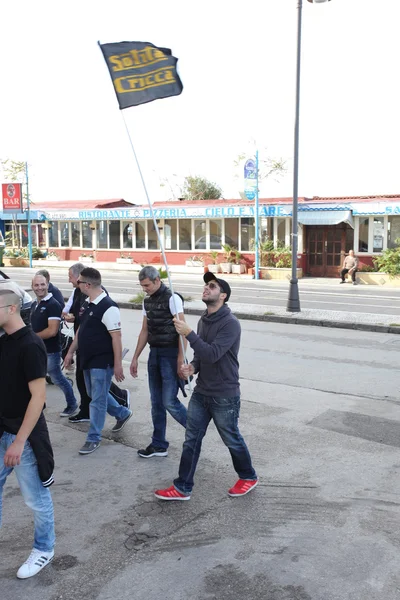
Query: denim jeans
<point>225,413</point>
<point>57,377</point>
<point>37,497</point>
<point>163,384</point>
<point>97,385</point>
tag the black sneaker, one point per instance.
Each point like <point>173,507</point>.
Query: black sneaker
<point>152,451</point>
<point>121,423</point>
<point>70,411</point>
<point>79,418</point>
<point>89,447</point>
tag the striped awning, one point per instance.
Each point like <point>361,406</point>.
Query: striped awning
<point>326,217</point>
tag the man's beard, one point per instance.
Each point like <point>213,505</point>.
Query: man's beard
<point>209,301</point>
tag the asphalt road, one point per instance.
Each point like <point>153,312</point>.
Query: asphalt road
<point>321,416</point>
<point>314,293</point>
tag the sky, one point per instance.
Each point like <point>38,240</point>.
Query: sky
<point>237,62</point>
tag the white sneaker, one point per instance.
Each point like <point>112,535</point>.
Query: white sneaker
<point>35,563</point>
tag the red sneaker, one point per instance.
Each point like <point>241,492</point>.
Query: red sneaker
<point>242,487</point>
<point>170,493</point>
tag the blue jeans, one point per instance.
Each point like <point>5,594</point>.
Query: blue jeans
<point>98,383</point>
<point>163,384</point>
<point>225,413</point>
<point>57,377</point>
<point>37,497</point>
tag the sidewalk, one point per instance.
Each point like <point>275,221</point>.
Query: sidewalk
<point>278,314</point>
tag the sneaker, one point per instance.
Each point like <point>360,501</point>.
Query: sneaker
<point>152,451</point>
<point>170,493</point>
<point>36,561</point>
<point>354,283</point>
<point>342,282</point>
<point>121,423</point>
<point>79,418</point>
<point>242,487</point>
<point>70,411</point>
<point>89,447</point>
<point>126,400</point>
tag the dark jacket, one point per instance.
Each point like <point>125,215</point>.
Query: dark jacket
<point>216,347</point>
<point>57,295</point>
<point>40,442</point>
<point>160,326</point>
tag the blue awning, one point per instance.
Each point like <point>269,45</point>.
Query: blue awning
<point>326,217</point>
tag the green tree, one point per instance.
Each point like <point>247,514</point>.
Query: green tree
<point>199,188</point>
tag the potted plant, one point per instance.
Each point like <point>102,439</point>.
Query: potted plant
<point>194,261</point>
<point>214,267</point>
<point>229,258</point>
<point>238,266</point>
<point>51,255</point>
<point>125,258</point>
<point>86,257</point>
<point>13,257</point>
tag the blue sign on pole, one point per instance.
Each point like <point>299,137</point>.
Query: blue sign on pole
<point>250,193</point>
<point>250,170</point>
<point>250,179</point>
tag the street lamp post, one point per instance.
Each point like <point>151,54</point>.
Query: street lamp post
<point>293,304</point>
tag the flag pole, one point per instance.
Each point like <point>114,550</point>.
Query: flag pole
<point>158,234</point>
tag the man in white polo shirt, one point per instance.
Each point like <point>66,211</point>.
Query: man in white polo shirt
<point>100,350</point>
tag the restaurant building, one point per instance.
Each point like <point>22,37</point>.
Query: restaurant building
<point>107,229</point>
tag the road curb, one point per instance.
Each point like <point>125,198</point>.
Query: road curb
<point>290,320</point>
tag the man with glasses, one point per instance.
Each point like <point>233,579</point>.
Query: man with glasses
<point>45,321</point>
<point>73,313</point>
<point>24,439</point>
<point>100,351</point>
<point>217,392</point>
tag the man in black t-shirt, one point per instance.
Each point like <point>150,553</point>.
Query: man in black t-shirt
<point>45,321</point>
<point>24,442</point>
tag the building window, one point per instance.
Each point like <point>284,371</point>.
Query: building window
<point>170,234</point>
<point>266,233</point>
<point>140,230</point>
<point>378,233</point>
<point>247,234</point>
<point>53,234</point>
<point>86,235</point>
<point>102,234</point>
<point>24,235</point>
<point>152,240</point>
<point>216,234</point>
<point>349,239</point>
<point>64,233</point>
<point>232,232</point>
<point>363,235</point>
<point>200,235</point>
<point>185,234</point>
<point>76,234</point>
<point>127,235</point>
<point>393,232</point>
<point>281,232</point>
<point>114,231</point>
<point>41,236</point>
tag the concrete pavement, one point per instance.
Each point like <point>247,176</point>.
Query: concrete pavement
<point>321,416</point>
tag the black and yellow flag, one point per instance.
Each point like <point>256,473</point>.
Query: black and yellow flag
<point>141,72</point>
